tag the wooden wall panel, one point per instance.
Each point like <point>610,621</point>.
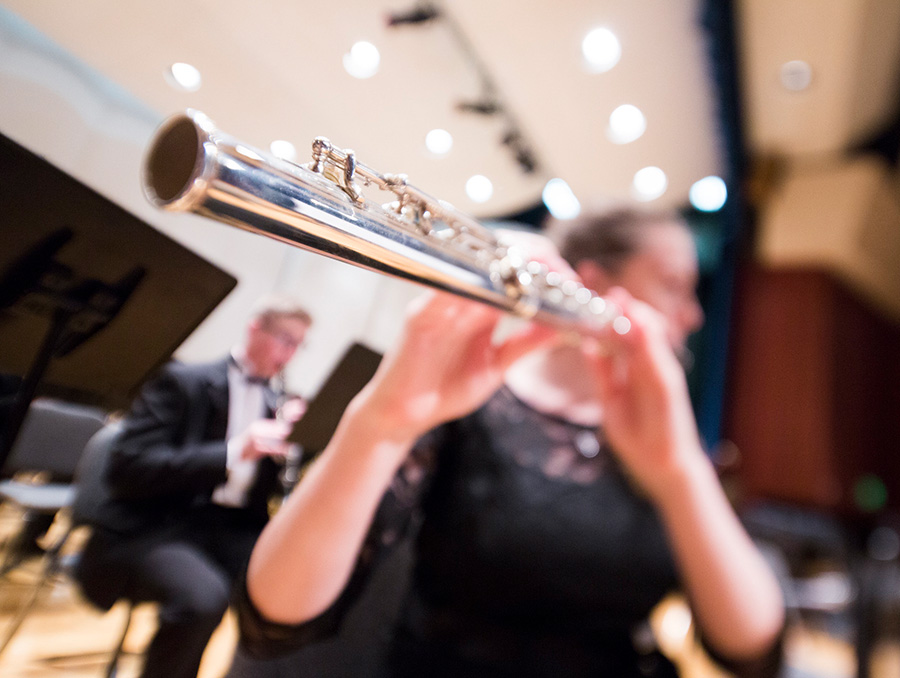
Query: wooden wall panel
<point>812,401</point>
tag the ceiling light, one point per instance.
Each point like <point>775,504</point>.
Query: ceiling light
<point>362,60</point>
<point>601,50</point>
<point>649,183</point>
<point>796,75</point>
<point>479,188</point>
<point>283,149</point>
<point>626,123</point>
<point>708,194</point>
<point>439,141</point>
<point>184,76</point>
<point>560,200</point>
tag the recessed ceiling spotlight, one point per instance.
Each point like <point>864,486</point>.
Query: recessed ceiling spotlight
<point>184,76</point>
<point>796,75</point>
<point>708,194</point>
<point>560,200</point>
<point>649,183</point>
<point>601,50</point>
<point>439,141</point>
<point>479,188</point>
<point>283,149</point>
<point>362,60</point>
<point>626,123</point>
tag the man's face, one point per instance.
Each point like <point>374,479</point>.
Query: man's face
<point>272,342</point>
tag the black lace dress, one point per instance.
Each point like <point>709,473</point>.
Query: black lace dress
<point>534,557</point>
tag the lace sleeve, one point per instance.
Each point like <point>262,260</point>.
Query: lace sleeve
<point>396,517</point>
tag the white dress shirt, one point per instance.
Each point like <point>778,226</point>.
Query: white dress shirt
<point>246,404</point>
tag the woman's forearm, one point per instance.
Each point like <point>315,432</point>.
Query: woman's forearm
<point>445,365</point>
<point>733,592</point>
<point>649,422</point>
<point>306,554</point>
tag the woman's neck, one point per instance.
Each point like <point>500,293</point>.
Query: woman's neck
<point>557,381</point>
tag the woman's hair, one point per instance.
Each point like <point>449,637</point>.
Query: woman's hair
<point>606,238</point>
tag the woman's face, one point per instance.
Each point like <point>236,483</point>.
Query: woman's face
<point>663,273</point>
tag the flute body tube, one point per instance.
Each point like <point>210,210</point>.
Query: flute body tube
<point>191,166</point>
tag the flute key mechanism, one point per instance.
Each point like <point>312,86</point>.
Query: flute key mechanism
<point>337,165</point>
<point>191,166</point>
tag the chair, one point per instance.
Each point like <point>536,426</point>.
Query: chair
<point>49,445</point>
<point>87,495</point>
<point>827,575</point>
<point>87,509</point>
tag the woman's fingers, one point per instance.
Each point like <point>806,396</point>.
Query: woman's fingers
<point>446,363</point>
<point>537,247</point>
<point>531,337</point>
<point>645,346</point>
<point>447,320</point>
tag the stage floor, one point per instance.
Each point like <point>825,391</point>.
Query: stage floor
<point>66,636</point>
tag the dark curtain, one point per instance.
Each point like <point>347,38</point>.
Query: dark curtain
<point>724,231</point>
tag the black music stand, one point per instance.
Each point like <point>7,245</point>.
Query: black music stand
<point>352,372</point>
<point>92,299</point>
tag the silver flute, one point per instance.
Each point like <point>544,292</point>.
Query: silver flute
<point>191,166</point>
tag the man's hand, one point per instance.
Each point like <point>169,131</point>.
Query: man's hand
<point>265,438</point>
<point>291,410</point>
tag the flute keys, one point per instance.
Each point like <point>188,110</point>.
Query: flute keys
<point>597,305</point>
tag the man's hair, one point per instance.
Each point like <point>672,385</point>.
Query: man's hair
<point>606,238</point>
<point>280,306</point>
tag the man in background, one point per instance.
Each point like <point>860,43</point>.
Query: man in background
<point>189,481</point>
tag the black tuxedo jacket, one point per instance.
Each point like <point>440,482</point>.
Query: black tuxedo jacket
<point>172,451</point>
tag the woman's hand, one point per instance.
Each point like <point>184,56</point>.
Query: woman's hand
<point>445,365</point>
<point>650,424</point>
<point>648,418</point>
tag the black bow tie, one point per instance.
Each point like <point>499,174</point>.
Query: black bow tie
<point>262,381</point>
<point>249,378</point>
